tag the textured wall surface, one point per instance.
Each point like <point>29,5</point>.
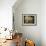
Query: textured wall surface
<point>29,32</point>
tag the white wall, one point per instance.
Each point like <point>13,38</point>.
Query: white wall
<point>6,13</point>
<point>43,22</point>
<point>29,32</point>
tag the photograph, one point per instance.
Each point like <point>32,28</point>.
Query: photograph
<point>29,19</point>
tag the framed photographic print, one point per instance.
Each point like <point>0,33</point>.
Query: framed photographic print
<point>29,19</point>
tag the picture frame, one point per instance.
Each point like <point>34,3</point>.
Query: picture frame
<point>29,19</point>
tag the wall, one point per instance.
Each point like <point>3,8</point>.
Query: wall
<point>29,32</point>
<point>43,22</point>
<point>6,13</point>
